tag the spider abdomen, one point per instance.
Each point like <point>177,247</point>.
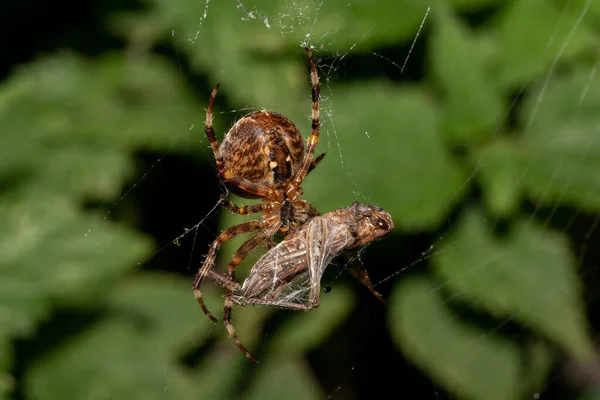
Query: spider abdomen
<point>263,147</point>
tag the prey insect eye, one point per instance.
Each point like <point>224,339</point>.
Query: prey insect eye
<point>382,224</point>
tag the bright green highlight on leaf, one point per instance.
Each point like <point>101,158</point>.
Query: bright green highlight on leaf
<point>499,172</point>
<point>473,103</point>
<point>561,143</point>
<point>528,276</point>
<point>534,36</point>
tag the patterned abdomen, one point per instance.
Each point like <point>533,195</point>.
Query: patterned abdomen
<point>263,147</point>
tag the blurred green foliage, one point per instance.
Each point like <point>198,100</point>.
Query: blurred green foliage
<point>70,126</point>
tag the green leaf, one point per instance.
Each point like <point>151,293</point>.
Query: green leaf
<point>272,25</point>
<point>68,129</point>
<point>360,25</point>
<point>474,5</point>
<point>69,125</point>
<point>528,276</point>
<point>499,171</point>
<point>96,103</point>
<point>305,330</point>
<point>112,360</point>
<point>221,369</point>
<point>384,144</point>
<point>258,58</point>
<point>539,362</point>
<point>246,58</point>
<point>82,255</point>
<point>533,35</point>
<point>592,8</point>
<point>470,362</point>
<point>130,353</point>
<point>289,379</point>
<point>153,297</point>
<point>560,144</point>
<point>473,105</point>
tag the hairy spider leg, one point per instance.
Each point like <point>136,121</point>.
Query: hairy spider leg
<point>234,231</point>
<point>242,210</point>
<point>313,140</point>
<point>359,273</point>
<point>214,144</point>
<point>210,132</point>
<point>222,280</point>
<point>314,162</point>
<point>236,260</point>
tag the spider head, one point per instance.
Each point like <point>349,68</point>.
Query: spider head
<point>370,222</point>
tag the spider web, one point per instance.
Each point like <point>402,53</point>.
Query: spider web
<point>551,210</point>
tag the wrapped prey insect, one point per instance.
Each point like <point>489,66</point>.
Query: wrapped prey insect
<point>289,274</point>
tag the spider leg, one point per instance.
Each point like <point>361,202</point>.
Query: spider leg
<point>234,231</point>
<point>237,183</point>
<point>210,132</point>
<point>270,243</point>
<point>313,140</point>
<point>314,162</point>
<point>223,281</point>
<point>361,275</point>
<point>242,210</point>
<point>236,260</point>
<point>214,144</point>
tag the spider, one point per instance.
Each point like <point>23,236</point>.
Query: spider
<point>262,156</point>
<point>289,275</point>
